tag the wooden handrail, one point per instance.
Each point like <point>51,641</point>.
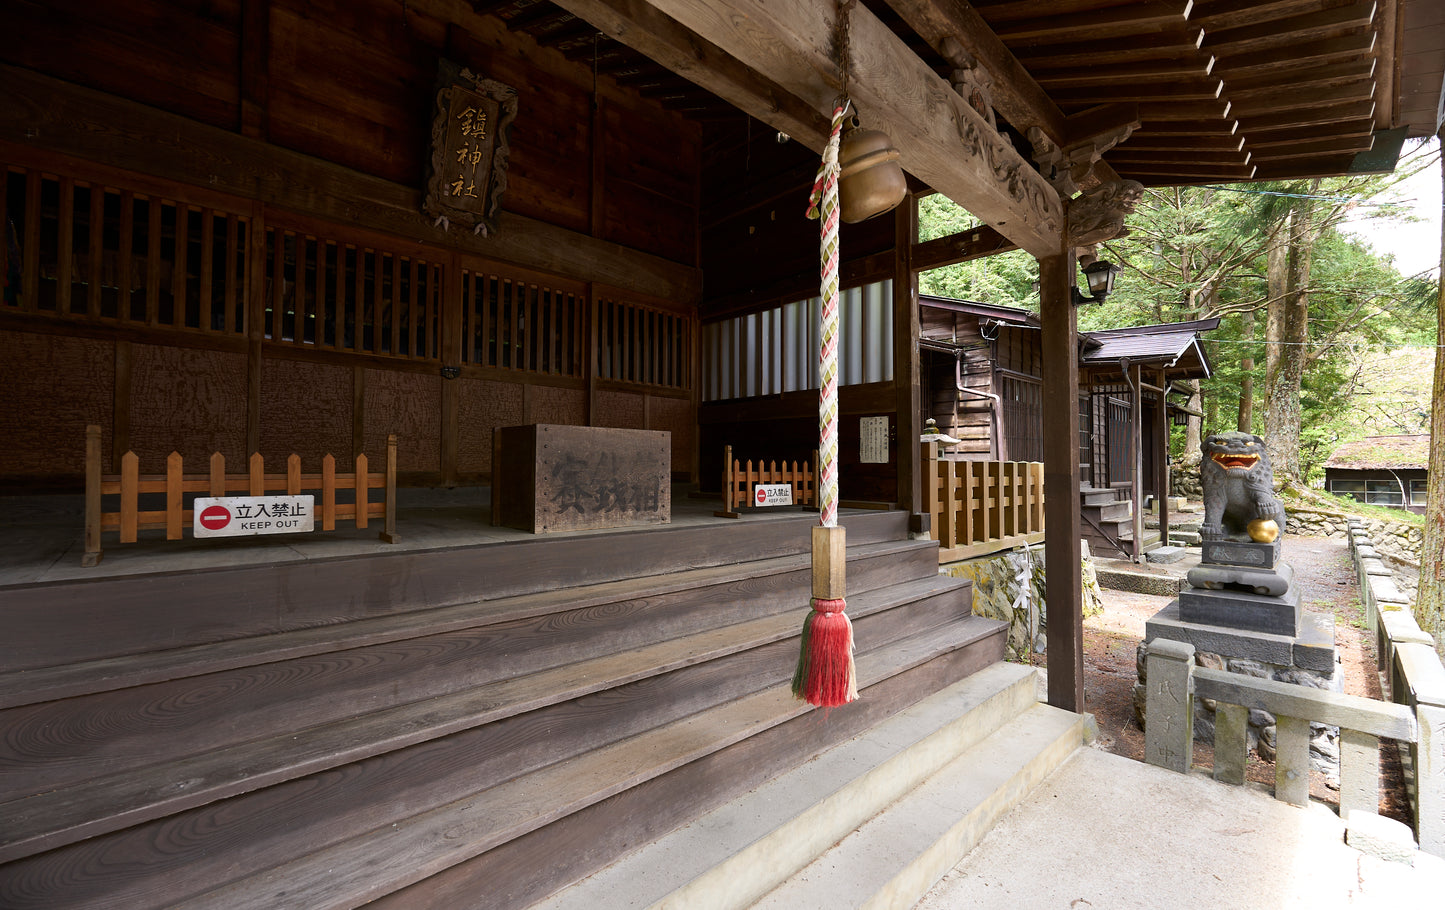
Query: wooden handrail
<point>981,502</point>
<point>129,484</point>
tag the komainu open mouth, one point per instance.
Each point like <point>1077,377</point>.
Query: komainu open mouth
<point>1232,462</point>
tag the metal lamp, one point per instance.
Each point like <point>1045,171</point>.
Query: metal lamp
<point>1099,275</point>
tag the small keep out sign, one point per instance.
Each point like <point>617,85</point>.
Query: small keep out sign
<point>242,516</point>
<point>773,494</point>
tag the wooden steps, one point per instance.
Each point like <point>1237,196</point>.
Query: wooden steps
<point>872,822</point>
<point>332,766</point>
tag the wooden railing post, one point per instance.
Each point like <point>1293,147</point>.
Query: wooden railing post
<point>388,528</point>
<point>328,492</point>
<point>930,488</point>
<point>257,475</point>
<point>92,497</point>
<point>1169,705</point>
<point>175,473</point>
<point>359,490</point>
<point>129,496</point>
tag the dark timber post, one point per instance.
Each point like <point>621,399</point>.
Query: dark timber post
<point>1161,458</point>
<point>905,361</point>
<point>1064,588</point>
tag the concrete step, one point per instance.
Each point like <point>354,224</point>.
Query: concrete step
<point>895,858</point>
<point>987,727</point>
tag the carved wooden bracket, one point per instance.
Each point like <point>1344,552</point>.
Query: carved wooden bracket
<point>972,82</point>
<point>1099,214</point>
<point>1069,167</point>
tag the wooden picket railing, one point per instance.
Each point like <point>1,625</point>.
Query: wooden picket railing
<point>982,506</point>
<point>739,480</point>
<point>130,484</point>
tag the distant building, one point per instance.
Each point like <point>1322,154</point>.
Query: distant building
<point>1384,470</point>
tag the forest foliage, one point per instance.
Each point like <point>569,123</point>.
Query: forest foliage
<point>1228,251</point>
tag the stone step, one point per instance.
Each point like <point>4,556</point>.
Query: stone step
<point>895,858</point>
<point>987,729</point>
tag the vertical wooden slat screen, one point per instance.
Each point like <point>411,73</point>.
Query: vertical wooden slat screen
<point>233,242</point>
<point>66,244</point>
<point>93,251</point>
<point>124,308</point>
<point>519,322</point>
<point>30,282</point>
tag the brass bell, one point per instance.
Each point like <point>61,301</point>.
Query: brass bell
<point>870,179</point>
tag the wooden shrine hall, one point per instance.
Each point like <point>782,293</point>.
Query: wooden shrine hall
<point>304,227</point>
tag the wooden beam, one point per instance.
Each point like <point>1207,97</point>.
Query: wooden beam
<point>1168,69</point>
<point>1097,24</point>
<point>1063,589</point>
<point>1361,126</point>
<point>1348,145</point>
<point>1307,116</point>
<point>943,141</point>
<point>1207,89</point>
<point>42,112</point>
<point>1263,35</point>
<point>974,243</point>
<point>1152,142</point>
<point>1016,96</point>
<point>1129,157</point>
<point>1234,62</point>
<point>1152,112</point>
<point>1269,102</point>
<point>1187,172</point>
<point>1095,122</point>
<point>1182,44</point>
<point>645,29</point>
<point>1324,74</point>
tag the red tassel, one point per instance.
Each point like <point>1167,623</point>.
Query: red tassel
<point>826,676</point>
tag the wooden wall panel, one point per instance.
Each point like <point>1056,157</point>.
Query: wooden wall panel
<point>351,81</point>
<point>409,405</point>
<point>306,408</point>
<point>550,404</point>
<point>187,400</point>
<point>72,382</point>
<point>676,416</point>
<point>619,409</point>
<point>180,57</point>
<point>484,406</point>
<point>649,164</point>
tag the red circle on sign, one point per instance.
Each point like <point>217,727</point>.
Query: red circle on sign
<point>214,518</point>
<point>762,496</point>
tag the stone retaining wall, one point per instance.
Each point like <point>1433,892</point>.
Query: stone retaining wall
<point>1395,540</point>
<point>998,580</point>
<point>1410,663</point>
<point>1184,480</point>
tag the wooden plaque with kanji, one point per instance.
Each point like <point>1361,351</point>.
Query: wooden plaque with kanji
<point>469,150</point>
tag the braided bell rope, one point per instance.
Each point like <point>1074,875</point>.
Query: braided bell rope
<point>823,204</point>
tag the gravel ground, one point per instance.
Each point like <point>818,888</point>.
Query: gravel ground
<point>1327,581</point>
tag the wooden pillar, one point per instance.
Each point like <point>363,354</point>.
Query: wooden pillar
<point>1064,588</point>
<point>905,361</point>
<point>1161,457</point>
<point>1136,457</point>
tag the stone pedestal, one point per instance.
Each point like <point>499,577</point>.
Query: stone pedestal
<point>1241,612</point>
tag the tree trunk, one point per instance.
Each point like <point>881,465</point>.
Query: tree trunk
<point>1193,429</point>
<point>1282,384</point>
<point>1430,597</point>
<point>1246,382</point>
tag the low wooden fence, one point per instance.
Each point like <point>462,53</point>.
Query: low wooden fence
<point>982,506</point>
<point>130,484</point>
<point>739,480</point>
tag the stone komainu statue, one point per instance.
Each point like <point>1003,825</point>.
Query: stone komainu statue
<point>1238,484</point>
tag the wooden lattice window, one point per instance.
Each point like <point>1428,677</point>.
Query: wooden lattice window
<point>513,321</point>
<point>328,293</point>
<point>82,250</point>
<point>642,344</point>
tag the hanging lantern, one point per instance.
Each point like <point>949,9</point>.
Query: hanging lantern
<point>871,181</point>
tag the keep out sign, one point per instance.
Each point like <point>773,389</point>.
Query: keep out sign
<point>772,494</point>
<point>242,516</point>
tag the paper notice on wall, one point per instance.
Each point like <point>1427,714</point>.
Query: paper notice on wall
<point>873,445</point>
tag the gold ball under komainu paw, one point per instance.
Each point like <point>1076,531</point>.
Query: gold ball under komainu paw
<point>1263,530</point>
